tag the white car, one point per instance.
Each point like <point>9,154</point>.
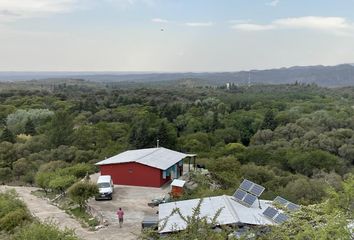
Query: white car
<point>105,186</point>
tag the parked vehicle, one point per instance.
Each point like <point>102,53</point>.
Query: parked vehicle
<point>105,186</point>
<point>150,222</point>
<point>157,201</point>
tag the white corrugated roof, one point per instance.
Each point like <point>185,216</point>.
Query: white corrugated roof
<point>232,212</point>
<point>161,158</point>
<point>178,183</point>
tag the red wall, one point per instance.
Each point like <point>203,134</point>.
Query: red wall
<point>134,174</point>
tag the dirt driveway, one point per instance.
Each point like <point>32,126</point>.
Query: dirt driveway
<point>133,200</point>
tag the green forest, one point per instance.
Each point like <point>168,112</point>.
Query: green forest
<point>296,140</point>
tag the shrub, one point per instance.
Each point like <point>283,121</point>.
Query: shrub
<point>14,219</point>
<point>80,192</point>
<point>37,231</point>
<point>61,183</point>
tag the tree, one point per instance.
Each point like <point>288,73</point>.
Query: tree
<point>61,129</point>
<point>269,121</point>
<point>42,179</point>
<point>30,128</point>
<point>307,162</point>
<point>215,124</point>
<point>305,190</point>
<point>17,121</point>
<point>139,135</point>
<point>328,220</point>
<point>8,154</point>
<point>52,166</point>
<point>81,191</point>
<point>262,137</point>
<point>312,222</point>
<point>166,135</point>
<point>21,167</point>
<point>5,175</point>
<point>79,170</point>
<point>7,136</point>
<point>61,183</point>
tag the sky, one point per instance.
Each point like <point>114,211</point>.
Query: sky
<point>174,35</point>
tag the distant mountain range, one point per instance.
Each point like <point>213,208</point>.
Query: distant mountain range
<point>328,76</point>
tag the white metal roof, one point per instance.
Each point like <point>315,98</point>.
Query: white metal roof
<point>232,212</point>
<point>178,183</point>
<point>161,158</point>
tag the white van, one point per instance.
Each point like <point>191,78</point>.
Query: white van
<point>105,186</point>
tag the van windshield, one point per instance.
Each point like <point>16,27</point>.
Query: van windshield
<point>104,185</point>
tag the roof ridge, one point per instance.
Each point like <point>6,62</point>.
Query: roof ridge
<point>147,155</point>
<point>231,208</point>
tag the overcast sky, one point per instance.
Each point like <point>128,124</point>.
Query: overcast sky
<point>173,35</point>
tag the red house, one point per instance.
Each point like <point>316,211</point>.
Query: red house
<point>150,167</point>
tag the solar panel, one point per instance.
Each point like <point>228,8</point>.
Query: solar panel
<point>257,190</point>
<point>281,201</point>
<point>292,206</point>
<point>281,218</point>
<point>249,199</point>
<point>239,194</point>
<point>270,212</point>
<point>285,203</point>
<point>246,185</point>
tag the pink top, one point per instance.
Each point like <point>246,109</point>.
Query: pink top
<point>120,213</point>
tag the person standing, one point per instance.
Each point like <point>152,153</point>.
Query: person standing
<point>120,214</point>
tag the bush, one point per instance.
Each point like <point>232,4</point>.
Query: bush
<point>38,231</point>
<point>9,203</point>
<point>43,179</point>
<point>61,183</point>
<point>79,170</point>
<point>5,175</point>
<point>13,212</point>
<point>14,219</point>
<point>80,192</point>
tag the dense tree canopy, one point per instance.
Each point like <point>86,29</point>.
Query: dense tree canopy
<point>297,140</point>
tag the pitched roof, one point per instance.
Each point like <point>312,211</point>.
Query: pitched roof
<point>161,158</point>
<point>232,212</point>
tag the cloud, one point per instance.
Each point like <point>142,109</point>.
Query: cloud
<point>322,23</point>
<point>273,3</point>
<point>199,24</point>
<point>239,21</point>
<point>335,25</point>
<point>125,4</point>
<point>14,9</point>
<point>252,27</point>
<point>159,20</point>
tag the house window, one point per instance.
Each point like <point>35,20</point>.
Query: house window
<point>164,174</point>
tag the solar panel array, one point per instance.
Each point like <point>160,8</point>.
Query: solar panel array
<point>239,194</point>
<point>281,218</point>
<point>244,197</point>
<point>248,192</point>
<point>250,199</point>
<point>252,187</point>
<point>275,215</point>
<point>287,204</point>
<point>270,212</point>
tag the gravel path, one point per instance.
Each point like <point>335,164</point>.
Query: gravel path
<point>46,212</point>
